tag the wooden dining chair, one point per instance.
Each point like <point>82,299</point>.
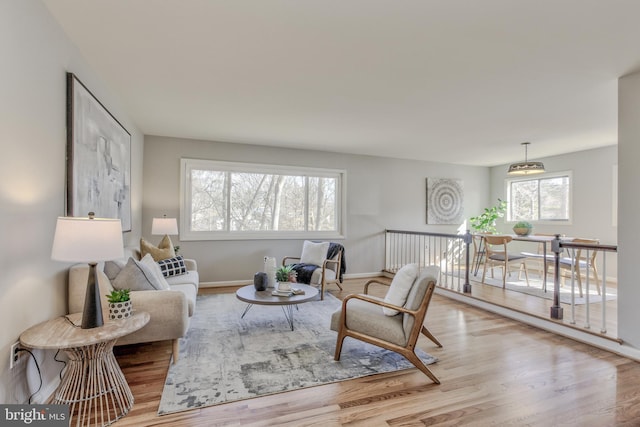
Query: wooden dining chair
<point>497,255</point>
<point>536,259</point>
<point>583,264</point>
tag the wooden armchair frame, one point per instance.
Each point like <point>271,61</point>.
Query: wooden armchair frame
<point>336,263</point>
<point>408,350</point>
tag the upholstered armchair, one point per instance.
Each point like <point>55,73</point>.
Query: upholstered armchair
<point>372,319</point>
<point>320,264</point>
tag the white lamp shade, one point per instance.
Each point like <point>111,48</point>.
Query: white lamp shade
<point>87,240</point>
<point>167,226</point>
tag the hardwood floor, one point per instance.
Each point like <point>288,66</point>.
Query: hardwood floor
<point>494,372</point>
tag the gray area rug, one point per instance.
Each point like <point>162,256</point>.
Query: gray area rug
<point>225,358</point>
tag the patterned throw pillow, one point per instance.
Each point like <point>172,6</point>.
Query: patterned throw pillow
<point>172,266</point>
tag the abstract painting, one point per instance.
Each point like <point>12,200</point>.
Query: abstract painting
<point>445,198</point>
<point>98,158</point>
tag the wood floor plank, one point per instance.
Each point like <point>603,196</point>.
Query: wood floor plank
<point>494,371</point>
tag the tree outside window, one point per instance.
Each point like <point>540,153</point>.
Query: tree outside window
<point>540,199</point>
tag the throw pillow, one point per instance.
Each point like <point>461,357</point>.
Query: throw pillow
<point>140,276</point>
<point>112,268</point>
<point>314,252</point>
<point>172,266</point>
<point>400,287</point>
<point>164,249</point>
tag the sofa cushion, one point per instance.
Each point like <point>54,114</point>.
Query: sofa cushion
<point>191,292</point>
<point>368,318</point>
<point>400,287</point>
<point>314,252</point>
<point>172,266</point>
<point>164,249</point>
<point>143,275</point>
<point>191,277</point>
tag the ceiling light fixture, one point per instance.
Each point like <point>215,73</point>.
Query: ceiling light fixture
<point>526,167</point>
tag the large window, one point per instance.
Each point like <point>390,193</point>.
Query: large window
<point>543,199</point>
<point>224,200</point>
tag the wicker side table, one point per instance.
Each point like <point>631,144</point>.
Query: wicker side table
<point>93,385</point>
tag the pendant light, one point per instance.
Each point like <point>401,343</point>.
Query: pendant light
<point>526,167</point>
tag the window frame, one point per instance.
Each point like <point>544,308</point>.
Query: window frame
<point>508,181</point>
<point>189,164</point>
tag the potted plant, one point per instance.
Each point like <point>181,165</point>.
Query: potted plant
<point>486,222</point>
<point>522,228</point>
<point>119,304</point>
<point>285,275</point>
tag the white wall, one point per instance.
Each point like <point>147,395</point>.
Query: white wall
<point>382,194</point>
<point>629,208</point>
<point>593,193</point>
<point>35,57</point>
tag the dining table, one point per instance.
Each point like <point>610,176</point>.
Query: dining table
<point>534,238</point>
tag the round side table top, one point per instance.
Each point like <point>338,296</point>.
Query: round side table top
<point>65,331</point>
<point>250,295</point>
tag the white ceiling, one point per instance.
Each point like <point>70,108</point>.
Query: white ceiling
<point>457,81</point>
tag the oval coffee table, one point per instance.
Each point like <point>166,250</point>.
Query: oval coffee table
<point>249,295</point>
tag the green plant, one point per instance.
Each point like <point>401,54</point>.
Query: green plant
<point>176,248</point>
<point>486,222</point>
<point>284,273</point>
<point>523,224</point>
<point>118,295</point>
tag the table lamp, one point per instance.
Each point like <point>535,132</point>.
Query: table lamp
<point>89,240</point>
<point>166,226</point>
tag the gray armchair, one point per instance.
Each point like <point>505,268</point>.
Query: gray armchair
<point>361,317</point>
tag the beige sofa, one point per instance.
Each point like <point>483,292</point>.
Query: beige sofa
<point>170,310</point>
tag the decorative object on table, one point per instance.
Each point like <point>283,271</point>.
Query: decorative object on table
<point>526,167</point>
<point>120,306</point>
<point>250,364</point>
<point>522,228</point>
<point>89,240</point>
<point>445,199</point>
<point>270,269</point>
<point>98,158</point>
<point>260,281</point>
<point>167,227</point>
<point>285,274</point>
<point>486,221</point>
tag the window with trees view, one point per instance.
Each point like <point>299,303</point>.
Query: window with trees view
<point>224,200</point>
<point>547,198</point>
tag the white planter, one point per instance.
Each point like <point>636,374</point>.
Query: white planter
<point>120,310</point>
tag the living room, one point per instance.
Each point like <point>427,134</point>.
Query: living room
<point>383,192</point>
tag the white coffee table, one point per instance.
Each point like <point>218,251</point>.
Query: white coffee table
<point>249,295</point>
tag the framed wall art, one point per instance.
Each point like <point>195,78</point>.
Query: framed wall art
<point>98,158</point>
<point>445,201</point>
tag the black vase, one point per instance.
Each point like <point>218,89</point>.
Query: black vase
<point>260,281</point>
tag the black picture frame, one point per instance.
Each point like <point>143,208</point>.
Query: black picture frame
<point>98,158</point>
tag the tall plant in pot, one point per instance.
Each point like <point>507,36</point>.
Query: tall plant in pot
<point>486,221</point>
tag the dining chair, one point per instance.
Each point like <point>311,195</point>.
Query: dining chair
<point>479,252</point>
<point>536,259</point>
<point>583,264</point>
<point>497,255</point>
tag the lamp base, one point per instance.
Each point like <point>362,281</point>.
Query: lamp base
<point>92,313</point>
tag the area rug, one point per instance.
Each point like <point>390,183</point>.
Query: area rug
<point>535,288</point>
<point>224,358</point>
